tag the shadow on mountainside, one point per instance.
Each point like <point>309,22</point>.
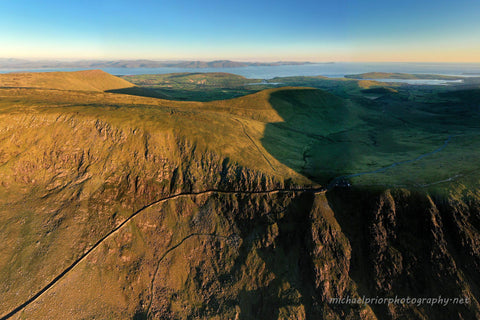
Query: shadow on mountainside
<point>199,94</point>
<point>292,285</point>
<point>403,243</point>
<point>386,143</point>
<point>316,137</point>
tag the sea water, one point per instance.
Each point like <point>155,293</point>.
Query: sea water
<point>332,70</point>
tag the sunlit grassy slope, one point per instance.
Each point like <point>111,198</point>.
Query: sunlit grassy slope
<point>410,136</point>
<point>89,80</point>
<point>74,164</point>
<point>210,126</point>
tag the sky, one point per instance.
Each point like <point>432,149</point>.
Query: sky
<point>244,30</point>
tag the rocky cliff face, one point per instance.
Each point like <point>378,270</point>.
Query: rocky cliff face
<point>407,243</point>
<point>107,221</point>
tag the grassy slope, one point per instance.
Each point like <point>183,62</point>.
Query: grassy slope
<point>402,124</point>
<point>323,136</point>
<point>213,129</point>
<point>312,132</point>
<point>89,80</point>
<point>86,160</point>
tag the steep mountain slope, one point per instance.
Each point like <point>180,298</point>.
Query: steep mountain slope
<point>123,207</point>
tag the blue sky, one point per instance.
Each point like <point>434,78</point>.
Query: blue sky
<point>258,30</point>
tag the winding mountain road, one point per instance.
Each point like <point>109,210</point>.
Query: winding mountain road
<point>121,225</point>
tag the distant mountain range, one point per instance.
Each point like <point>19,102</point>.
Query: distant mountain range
<point>21,64</point>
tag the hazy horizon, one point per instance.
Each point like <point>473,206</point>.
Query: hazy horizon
<point>193,59</point>
<point>260,31</point>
